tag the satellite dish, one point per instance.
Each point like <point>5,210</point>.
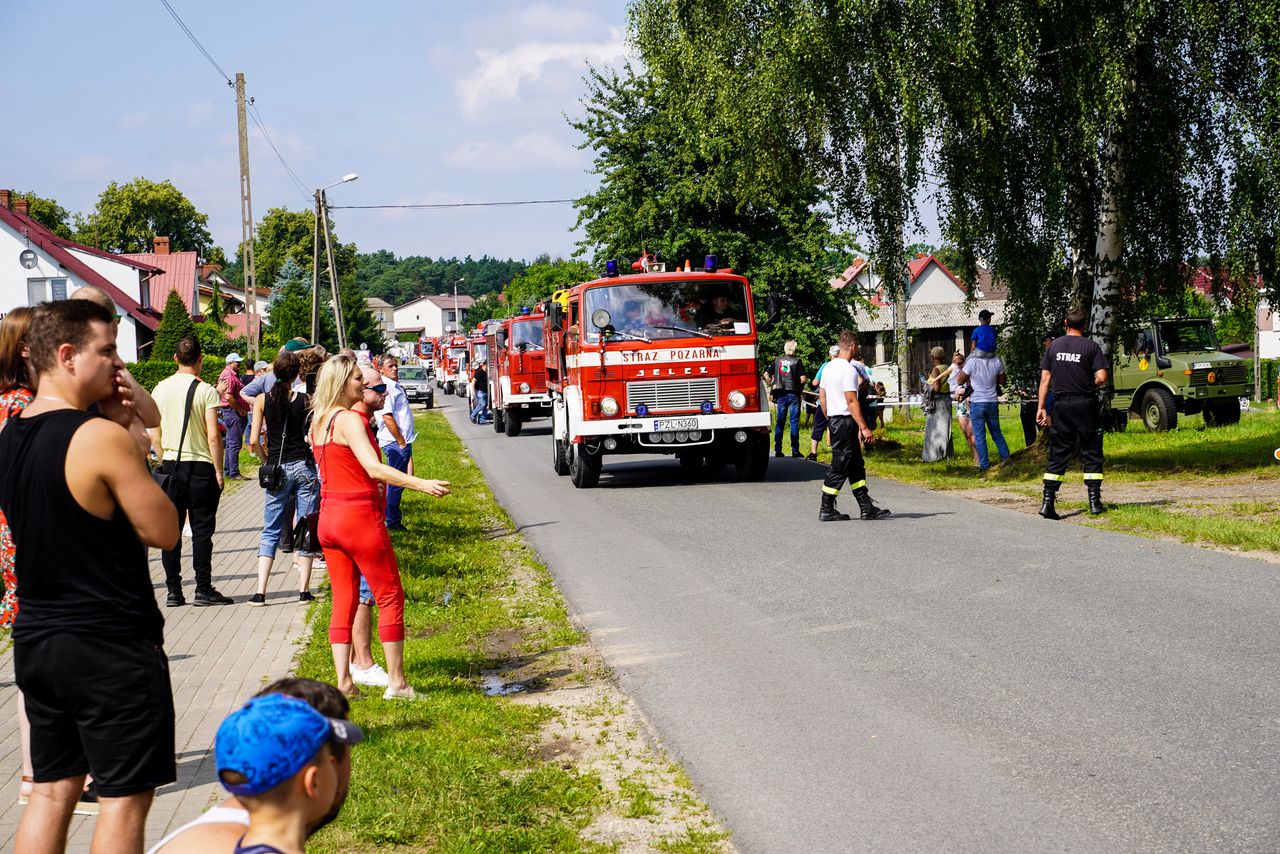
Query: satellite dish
<point>28,259</point>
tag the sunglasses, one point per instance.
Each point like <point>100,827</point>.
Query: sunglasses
<point>380,388</point>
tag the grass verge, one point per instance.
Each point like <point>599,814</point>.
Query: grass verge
<point>461,770</point>
<point>1162,471</point>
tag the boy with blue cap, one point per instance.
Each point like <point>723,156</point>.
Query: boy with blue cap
<point>279,757</point>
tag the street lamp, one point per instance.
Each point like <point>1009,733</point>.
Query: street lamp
<point>322,220</point>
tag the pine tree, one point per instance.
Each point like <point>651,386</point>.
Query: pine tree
<point>289,308</point>
<point>175,324</point>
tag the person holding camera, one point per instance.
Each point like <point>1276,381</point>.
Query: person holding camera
<point>288,472</point>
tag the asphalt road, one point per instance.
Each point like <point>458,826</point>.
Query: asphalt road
<point>955,678</point>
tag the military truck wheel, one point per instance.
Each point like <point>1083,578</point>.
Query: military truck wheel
<point>753,462</point>
<point>558,461</point>
<point>499,421</point>
<point>514,423</point>
<point>1159,410</point>
<point>1222,413</point>
<point>584,466</point>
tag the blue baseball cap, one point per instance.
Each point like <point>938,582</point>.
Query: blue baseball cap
<point>271,738</point>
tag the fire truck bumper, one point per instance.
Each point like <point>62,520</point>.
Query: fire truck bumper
<point>664,424</point>
<point>528,401</point>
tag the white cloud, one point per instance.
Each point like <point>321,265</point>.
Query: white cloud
<point>501,72</point>
<point>529,153</point>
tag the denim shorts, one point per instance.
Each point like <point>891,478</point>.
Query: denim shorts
<point>300,484</point>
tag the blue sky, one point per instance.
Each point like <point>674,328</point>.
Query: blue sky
<point>428,101</point>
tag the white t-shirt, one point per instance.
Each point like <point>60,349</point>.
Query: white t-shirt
<point>983,372</point>
<point>838,377</point>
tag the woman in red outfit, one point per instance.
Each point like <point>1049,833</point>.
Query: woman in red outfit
<point>352,530</point>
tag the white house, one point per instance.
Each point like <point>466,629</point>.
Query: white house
<point>37,265</point>
<point>433,316</point>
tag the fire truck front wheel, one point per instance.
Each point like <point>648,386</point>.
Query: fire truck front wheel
<point>499,420</point>
<point>448,388</point>
<point>753,461</point>
<point>585,464</point>
<point>514,422</point>
<point>558,460</point>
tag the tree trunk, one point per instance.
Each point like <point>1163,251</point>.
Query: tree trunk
<point>1107,253</point>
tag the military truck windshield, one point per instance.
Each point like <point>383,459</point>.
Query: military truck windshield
<point>527,334</point>
<point>664,310</point>
<point>408,373</point>
<point>1182,336</point>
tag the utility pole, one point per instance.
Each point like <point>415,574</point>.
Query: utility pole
<point>315,277</point>
<point>253,323</point>
<point>333,272</point>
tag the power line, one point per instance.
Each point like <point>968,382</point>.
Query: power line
<point>293,176</point>
<point>456,205</point>
<point>226,77</point>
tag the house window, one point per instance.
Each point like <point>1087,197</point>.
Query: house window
<point>43,290</point>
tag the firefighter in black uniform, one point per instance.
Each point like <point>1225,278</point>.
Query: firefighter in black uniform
<point>838,397</point>
<point>1075,369</point>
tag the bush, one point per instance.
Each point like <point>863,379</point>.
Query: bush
<point>149,373</point>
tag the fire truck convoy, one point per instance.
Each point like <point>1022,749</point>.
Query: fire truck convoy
<point>517,372</point>
<point>477,354</point>
<point>656,363</point>
<point>451,359</point>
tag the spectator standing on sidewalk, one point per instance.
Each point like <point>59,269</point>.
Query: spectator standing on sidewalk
<point>88,639</point>
<point>839,399</point>
<point>190,449</point>
<point>787,378</point>
<point>286,415</point>
<point>364,670</point>
<point>233,417</point>
<point>984,370</point>
<point>395,436</point>
<point>937,425</point>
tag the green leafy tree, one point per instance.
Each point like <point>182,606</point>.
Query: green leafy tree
<point>175,324</point>
<point>484,308</point>
<point>669,185</point>
<point>289,309</point>
<point>48,213</point>
<point>128,216</point>
<point>539,281</point>
<point>284,235</point>
<point>361,326</point>
<point>400,280</point>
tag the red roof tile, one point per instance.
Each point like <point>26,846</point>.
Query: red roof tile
<point>178,273</point>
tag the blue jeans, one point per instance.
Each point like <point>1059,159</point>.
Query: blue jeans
<point>234,422</point>
<point>398,459</point>
<point>787,403</point>
<point>986,416</point>
<point>302,486</point>
<point>481,408</point>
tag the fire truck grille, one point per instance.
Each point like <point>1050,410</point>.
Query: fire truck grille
<point>672,395</point>
<point>1224,375</point>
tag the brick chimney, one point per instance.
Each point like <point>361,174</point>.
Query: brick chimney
<point>161,245</point>
<point>21,205</point>
<point>5,196</point>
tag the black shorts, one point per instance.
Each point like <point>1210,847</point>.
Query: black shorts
<point>819,424</point>
<point>100,706</point>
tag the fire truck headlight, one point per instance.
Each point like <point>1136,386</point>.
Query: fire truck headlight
<point>737,399</point>
<point>524,388</point>
<point>608,405</point>
<point>740,436</point>
<point>669,438</point>
<point>610,444</point>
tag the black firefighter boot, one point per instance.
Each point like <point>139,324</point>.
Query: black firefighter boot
<point>1047,510</point>
<point>1095,497</point>
<point>869,510</point>
<point>829,513</point>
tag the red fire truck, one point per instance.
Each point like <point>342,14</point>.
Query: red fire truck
<point>656,363</point>
<point>451,360</point>
<point>477,353</point>
<point>517,372</point>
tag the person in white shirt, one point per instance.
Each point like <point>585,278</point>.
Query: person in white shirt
<point>984,371</point>
<point>395,436</point>
<point>838,397</point>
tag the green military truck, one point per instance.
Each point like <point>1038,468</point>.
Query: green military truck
<point>1175,366</point>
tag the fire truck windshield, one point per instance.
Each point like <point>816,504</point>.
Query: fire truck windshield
<point>482,352</point>
<point>527,335</point>
<point>664,310</point>
<point>456,353</point>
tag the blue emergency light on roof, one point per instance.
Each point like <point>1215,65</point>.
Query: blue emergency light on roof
<point>611,268</point>
<point>710,264</point>
<point>526,310</point>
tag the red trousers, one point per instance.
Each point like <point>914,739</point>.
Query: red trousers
<point>354,537</point>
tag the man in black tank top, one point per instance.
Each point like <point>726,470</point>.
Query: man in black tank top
<point>88,639</point>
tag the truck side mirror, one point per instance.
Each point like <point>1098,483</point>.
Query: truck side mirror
<point>555,317</point>
<point>500,339</point>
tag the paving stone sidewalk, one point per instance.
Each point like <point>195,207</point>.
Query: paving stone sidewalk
<point>218,657</point>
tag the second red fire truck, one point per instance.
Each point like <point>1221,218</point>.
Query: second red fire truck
<point>517,372</point>
<point>656,363</point>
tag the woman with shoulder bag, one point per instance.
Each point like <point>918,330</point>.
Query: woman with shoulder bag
<point>288,473</point>
<point>352,528</point>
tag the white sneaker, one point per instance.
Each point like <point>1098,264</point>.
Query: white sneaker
<point>375,676</point>
<point>407,694</point>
